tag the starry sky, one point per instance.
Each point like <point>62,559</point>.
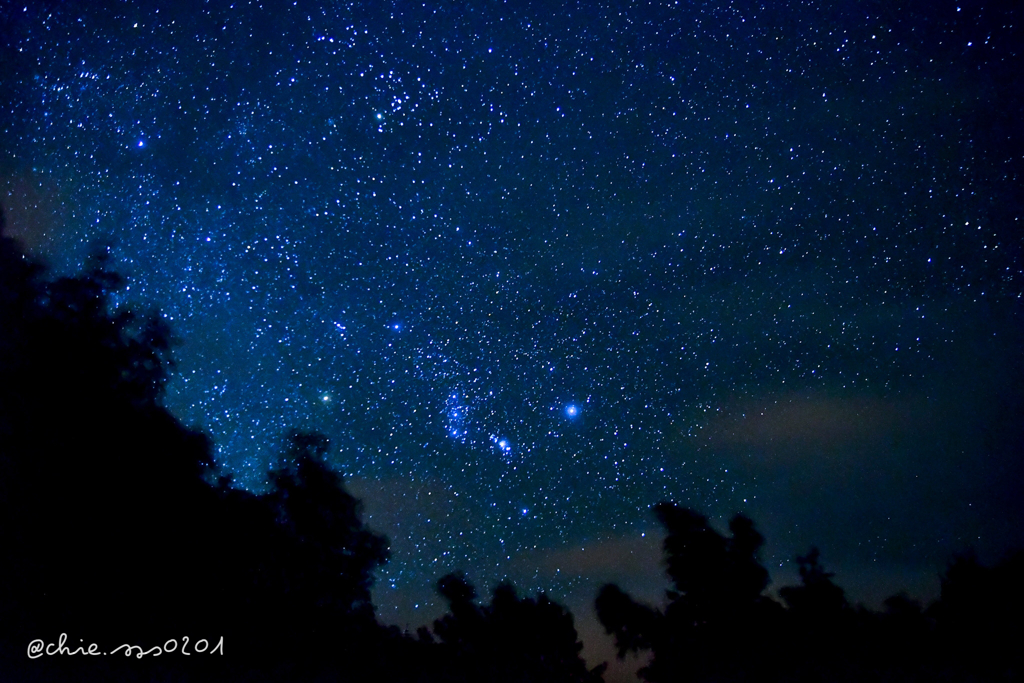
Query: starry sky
<point>536,266</point>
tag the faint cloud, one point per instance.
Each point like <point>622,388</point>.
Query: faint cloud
<point>802,423</point>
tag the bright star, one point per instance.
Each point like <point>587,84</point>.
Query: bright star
<point>571,410</point>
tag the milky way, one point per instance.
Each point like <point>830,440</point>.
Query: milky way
<point>534,267</point>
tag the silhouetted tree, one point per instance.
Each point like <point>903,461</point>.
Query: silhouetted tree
<point>635,626</point>
<point>510,640</point>
<point>111,530</point>
<point>821,621</point>
<point>978,617</point>
<point>817,597</point>
<point>104,503</point>
<point>333,554</point>
<point>308,570</point>
<point>715,605</point>
<point>718,625</point>
<point>715,577</point>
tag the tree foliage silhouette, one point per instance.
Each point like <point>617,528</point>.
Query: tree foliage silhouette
<point>978,618</point>
<point>511,640</point>
<point>817,597</point>
<point>109,525</point>
<point>716,601</point>
<point>333,555</point>
<point>719,625</point>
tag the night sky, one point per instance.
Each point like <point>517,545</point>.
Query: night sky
<point>534,267</point>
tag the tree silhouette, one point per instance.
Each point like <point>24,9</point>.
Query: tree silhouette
<point>817,597</point>
<point>510,640</point>
<point>715,577</point>
<point>333,555</point>
<point>103,497</point>
<point>719,626</point>
<point>978,616</point>
<point>110,528</point>
<point>716,602</point>
<point>634,625</point>
<point>821,620</point>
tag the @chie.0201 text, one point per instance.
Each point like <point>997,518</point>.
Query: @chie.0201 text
<point>180,646</point>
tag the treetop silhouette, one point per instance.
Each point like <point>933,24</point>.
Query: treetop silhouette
<point>512,639</point>
<point>719,625</point>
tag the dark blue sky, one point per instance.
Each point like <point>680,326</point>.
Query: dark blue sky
<point>534,267</point>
